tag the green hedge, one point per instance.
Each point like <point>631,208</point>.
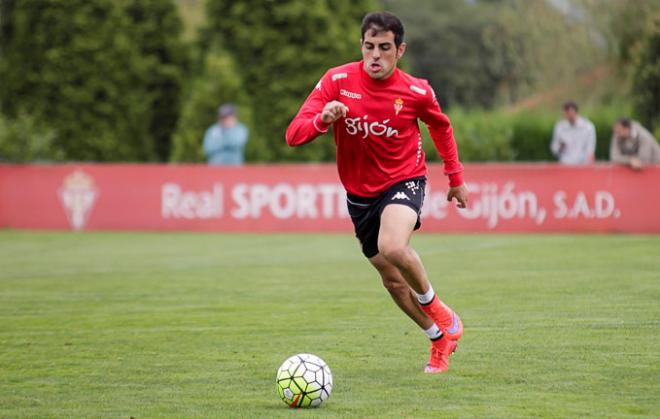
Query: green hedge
<point>525,136</point>
<point>482,136</point>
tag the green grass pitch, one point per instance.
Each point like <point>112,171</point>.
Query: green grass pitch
<point>196,325</point>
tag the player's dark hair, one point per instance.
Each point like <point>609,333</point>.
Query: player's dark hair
<point>570,105</point>
<point>624,122</point>
<point>378,22</point>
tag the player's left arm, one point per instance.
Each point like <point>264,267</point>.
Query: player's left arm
<point>442,135</point>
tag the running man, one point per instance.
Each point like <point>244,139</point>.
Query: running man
<point>373,108</point>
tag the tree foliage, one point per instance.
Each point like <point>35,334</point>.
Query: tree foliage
<point>103,80</point>
<point>623,23</point>
<point>488,53</point>
<point>23,139</point>
<point>282,49</point>
<point>104,75</point>
<point>218,82</point>
<point>646,75</point>
<point>157,26</point>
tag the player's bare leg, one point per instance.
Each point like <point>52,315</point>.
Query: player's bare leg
<point>398,288</point>
<point>403,296</point>
<point>397,224</point>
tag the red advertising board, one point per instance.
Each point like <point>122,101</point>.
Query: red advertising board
<point>297,198</point>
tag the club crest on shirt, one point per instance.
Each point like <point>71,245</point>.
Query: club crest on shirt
<point>398,105</point>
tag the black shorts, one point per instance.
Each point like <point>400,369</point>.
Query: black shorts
<point>365,212</point>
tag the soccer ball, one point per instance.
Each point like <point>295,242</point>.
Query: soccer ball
<point>304,380</point>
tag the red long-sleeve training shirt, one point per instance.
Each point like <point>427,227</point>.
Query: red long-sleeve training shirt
<point>378,142</point>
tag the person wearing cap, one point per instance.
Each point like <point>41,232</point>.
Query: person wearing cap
<point>633,145</point>
<point>224,141</point>
<point>574,137</point>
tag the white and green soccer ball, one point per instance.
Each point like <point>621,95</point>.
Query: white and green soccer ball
<point>304,380</point>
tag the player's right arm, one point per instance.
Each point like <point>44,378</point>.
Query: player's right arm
<point>320,110</point>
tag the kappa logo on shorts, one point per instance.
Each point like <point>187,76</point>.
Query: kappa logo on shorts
<point>400,195</point>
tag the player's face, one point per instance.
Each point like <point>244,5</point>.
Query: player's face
<point>380,54</point>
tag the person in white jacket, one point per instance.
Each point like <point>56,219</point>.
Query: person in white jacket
<point>574,137</point>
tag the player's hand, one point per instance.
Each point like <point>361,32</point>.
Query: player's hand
<point>460,193</point>
<point>332,111</point>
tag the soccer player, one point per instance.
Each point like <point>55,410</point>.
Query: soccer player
<point>373,108</point>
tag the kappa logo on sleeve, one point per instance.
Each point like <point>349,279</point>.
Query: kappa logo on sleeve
<point>348,94</point>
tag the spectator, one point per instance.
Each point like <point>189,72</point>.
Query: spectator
<point>574,137</point>
<point>633,145</point>
<point>224,141</point>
